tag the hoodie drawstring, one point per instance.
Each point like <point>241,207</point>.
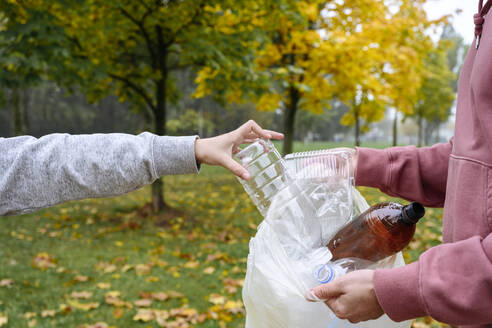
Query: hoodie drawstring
<point>479,20</point>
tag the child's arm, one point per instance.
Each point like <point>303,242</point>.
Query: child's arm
<point>38,173</point>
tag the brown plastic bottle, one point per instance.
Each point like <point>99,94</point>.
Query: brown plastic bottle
<point>381,231</point>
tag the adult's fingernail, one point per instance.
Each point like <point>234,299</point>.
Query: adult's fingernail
<point>311,296</point>
<point>245,176</point>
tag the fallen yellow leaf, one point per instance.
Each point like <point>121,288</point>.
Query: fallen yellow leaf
<point>178,323</point>
<point>144,315</point>
<point>160,296</point>
<point>43,261</point>
<point>118,313</point>
<point>183,312</point>
<point>61,270</point>
<point>29,315</point>
<point>80,278</point>
<point>152,279</point>
<point>209,270</point>
<point>6,282</point>
<point>65,309</point>
<point>96,325</point>
<point>173,294</point>
<point>106,267</point>
<point>217,299</point>
<point>112,298</point>
<point>231,285</point>
<point>143,269</point>
<point>113,293</point>
<point>82,294</point>
<point>104,285</point>
<point>217,256</point>
<point>143,302</point>
<point>48,313</point>
<point>192,264</point>
<point>83,306</point>
<point>126,267</point>
<point>234,307</point>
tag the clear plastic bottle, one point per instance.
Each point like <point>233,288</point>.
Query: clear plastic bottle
<point>268,173</point>
<point>330,271</point>
<point>282,200</point>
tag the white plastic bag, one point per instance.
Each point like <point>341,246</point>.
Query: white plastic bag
<point>279,269</point>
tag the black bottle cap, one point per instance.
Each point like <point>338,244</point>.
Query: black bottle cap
<point>412,213</point>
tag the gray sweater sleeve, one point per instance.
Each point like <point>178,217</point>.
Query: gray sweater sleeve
<point>37,173</point>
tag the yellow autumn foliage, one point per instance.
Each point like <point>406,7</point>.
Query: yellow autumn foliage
<point>269,102</point>
<point>346,50</point>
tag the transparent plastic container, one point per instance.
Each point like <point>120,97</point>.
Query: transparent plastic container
<point>268,173</point>
<point>327,177</point>
<point>321,165</point>
<point>326,173</point>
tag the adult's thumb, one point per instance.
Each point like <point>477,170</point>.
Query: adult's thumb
<point>323,292</point>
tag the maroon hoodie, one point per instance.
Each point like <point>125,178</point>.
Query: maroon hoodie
<point>453,281</point>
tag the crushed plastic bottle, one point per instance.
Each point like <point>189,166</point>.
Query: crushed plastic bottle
<point>309,194</point>
<point>312,191</point>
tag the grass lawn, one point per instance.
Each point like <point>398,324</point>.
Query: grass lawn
<point>102,260</point>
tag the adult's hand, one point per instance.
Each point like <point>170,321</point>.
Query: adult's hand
<point>219,150</point>
<point>351,296</point>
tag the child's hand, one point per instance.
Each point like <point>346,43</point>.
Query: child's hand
<point>219,150</point>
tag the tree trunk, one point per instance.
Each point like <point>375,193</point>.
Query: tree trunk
<point>159,129</point>
<point>431,134</point>
<point>357,127</point>
<point>16,111</point>
<point>420,123</point>
<point>19,103</point>
<point>428,132</point>
<point>25,111</point>
<point>200,123</point>
<point>395,128</point>
<point>289,121</point>
<point>158,203</point>
<point>438,132</point>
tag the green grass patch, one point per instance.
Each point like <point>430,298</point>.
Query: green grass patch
<point>105,245</point>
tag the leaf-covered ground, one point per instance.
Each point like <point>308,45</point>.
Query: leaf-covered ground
<point>105,263</point>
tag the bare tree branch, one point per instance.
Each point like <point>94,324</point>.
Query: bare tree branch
<point>149,114</point>
<point>140,24</point>
<point>192,21</point>
<point>145,5</point>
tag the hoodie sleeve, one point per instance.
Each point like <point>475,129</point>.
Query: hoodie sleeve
<point>37,173</point>
<point>415,174</point>
<point>424,287</point>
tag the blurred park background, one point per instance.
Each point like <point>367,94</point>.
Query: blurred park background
<point>325,73</point>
